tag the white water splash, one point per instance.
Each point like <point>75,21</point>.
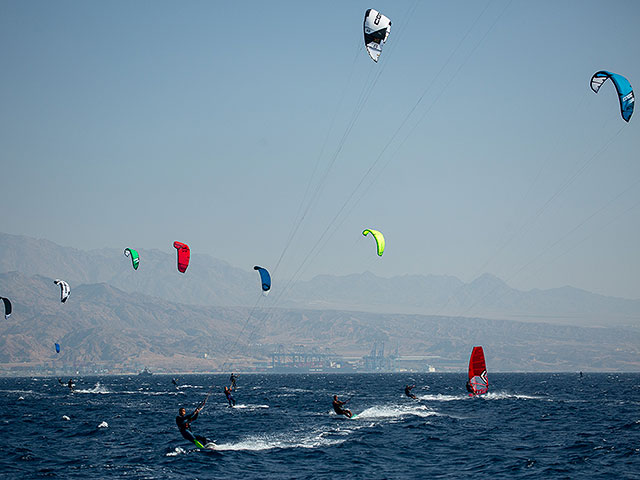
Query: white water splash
<point>103,425</point>
<point>442,398</point>
<point>250,407</point>
<point>177,451</point>
<point>388,411</point>
<point>269,442</point>
<point>97,389</point>
<point>511,396</point>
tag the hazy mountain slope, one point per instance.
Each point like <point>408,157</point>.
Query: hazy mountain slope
<point>103,325</point>
<point>213,282</point>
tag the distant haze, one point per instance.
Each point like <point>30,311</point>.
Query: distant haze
<point>475,145</point>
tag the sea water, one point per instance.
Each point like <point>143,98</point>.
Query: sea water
<point>527,426</point>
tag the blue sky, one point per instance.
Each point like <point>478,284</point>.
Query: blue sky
<point>141,123</point>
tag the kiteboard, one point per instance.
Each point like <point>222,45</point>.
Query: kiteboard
<point>206,446</point>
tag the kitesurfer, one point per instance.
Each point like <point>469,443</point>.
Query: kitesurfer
<point>184,425</point>
<point>469,387</point>
<point>407,391</point>
<point>338,407</point>
<point>233,379</point>
<point>175,382</point>
<point>69,384</point>
<point>230,399</point>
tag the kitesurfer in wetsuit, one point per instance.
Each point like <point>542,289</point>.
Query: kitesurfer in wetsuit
<point>233,379</point>
<point>184,425</point>
<point>69,384</point>
<point>407,391</point>
<point>469,387</point>
<point>338,407</point>
<point>230,399</point>
<point>175,382</point>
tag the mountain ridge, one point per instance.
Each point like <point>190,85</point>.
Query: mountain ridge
<point>214,282</point>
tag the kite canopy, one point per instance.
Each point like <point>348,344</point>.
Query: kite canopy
<point>7,307</point>
<point>64,289</point>
<point>376,31</point>
<point>478,372</point>
<point>264,277</point>
<point>623,87</point>
<point>135,258</point>
<point>57,348</point>
<point>183,256</point>
<point>379,239</point>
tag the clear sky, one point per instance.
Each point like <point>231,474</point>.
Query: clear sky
<point>140,123</point>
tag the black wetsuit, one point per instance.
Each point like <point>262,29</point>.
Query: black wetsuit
<point>469,387</point>
<point>184,425</point>
<point>407,392</point>
<point>337,407</point>
<point>232,379</point>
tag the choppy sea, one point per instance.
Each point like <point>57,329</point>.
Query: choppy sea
<point>283,426</point>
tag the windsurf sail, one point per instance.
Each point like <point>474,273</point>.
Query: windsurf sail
<point>478,372</point>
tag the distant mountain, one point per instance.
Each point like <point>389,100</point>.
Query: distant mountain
<point>103,326</point>
<point>213,282</point>
<point>486,296</point>
<point>208,281</point>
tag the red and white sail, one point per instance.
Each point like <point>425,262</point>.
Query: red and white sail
<point>478,372</point>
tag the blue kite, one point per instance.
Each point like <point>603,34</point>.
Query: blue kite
<point>623,87</point>
<point>264,277</point>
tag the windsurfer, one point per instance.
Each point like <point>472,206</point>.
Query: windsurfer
<point>469,387</point>
<point>339,409</point>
